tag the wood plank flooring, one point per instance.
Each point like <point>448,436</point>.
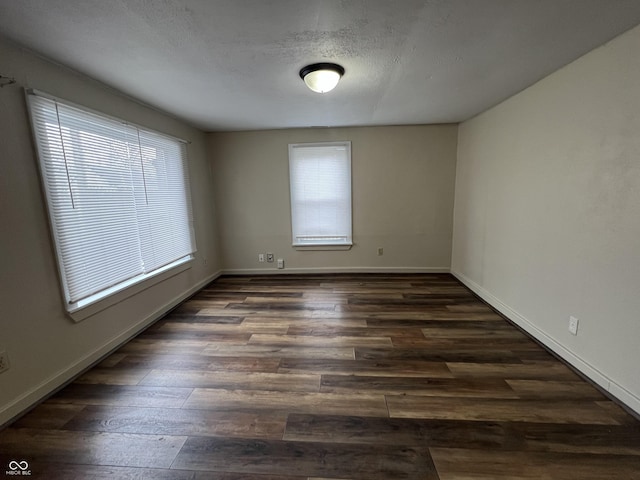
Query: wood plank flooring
<point>331,377</point>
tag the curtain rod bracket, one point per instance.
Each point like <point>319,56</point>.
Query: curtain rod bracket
<point>4,81</point>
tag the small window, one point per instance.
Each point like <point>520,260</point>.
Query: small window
<point>320,182</point>
<point>118,199</point>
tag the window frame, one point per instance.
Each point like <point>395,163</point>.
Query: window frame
<point>85,307</point>
<point>327,245</point>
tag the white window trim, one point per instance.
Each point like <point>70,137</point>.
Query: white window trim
<point>328,246</point>
<point>88,306</point>
<point>102,301</point>
<point>346,246</point>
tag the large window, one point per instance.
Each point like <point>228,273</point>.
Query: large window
<point>320,181</point>
<point>118,199</point>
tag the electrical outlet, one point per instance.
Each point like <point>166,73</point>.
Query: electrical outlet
<point>261,257</point>
<point>270,257</point>
<point>380,251</point>
<point>4,361</point>
<point>281,263</point>
<point>573,325</point>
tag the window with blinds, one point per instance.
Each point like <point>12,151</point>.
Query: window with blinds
<point>118,199</point>
<point>320,182</point>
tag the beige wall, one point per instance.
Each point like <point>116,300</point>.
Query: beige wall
<point>546,221</point>
<point>547,212</point>
<point>402,191</point>
<point>45,347</point>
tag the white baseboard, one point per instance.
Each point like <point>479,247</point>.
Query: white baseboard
<point>32,397</point>
<point>584,367</point>
<point>323,270</point>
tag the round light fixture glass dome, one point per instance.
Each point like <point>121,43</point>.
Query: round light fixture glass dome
<point>322,77</point>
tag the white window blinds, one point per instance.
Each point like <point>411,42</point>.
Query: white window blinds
<point>118,198</point>
<point>320,182</point>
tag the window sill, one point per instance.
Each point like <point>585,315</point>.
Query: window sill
<point>107,298</point>
<point>323,247</point>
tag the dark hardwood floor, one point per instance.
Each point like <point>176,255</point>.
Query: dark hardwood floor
<point>328,377</point>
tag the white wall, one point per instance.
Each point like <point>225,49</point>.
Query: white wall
<point>547,212</point>
<point>402,190</point>
<point>46,347</point>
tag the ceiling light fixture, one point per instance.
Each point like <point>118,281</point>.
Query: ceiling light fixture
<point>322,77</point>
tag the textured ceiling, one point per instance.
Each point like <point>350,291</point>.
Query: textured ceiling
<point>233,64</point>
